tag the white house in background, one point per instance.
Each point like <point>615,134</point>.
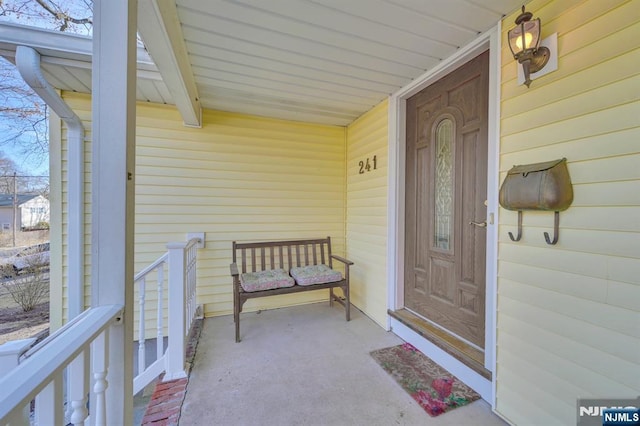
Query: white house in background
<point>32,209</point>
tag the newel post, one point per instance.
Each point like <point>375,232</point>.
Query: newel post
<point>176,327</point>
<point>10,354</point>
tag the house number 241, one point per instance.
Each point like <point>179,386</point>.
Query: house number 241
<point>367,165</point>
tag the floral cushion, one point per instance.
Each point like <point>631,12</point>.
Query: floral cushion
<point>315,274</point>
<point>265,280</point>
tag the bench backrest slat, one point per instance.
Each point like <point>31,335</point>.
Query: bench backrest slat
<point>297,255</point>
<point>244,260</point>
<point>271,258</point>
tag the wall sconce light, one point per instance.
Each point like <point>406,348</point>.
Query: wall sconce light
<point>524,42</point>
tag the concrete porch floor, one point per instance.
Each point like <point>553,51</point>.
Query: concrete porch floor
<point>303,365</point>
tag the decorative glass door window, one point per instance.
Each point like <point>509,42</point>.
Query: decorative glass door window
<point>443,185</point>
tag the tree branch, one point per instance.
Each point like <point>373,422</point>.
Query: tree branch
<point>63,16</point>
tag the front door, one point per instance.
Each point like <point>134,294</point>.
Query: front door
<point>445,193</point>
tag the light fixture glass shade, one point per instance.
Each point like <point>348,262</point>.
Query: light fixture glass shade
<point>524,37</point>
<point>524,42</point>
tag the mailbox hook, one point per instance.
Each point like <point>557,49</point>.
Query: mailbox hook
<point>556,223</point>
<point>517,238</point>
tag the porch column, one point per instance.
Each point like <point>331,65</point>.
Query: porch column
<point>112,203</point>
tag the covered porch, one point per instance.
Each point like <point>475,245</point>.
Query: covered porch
<point>294,113</point>
<point>245,120</point>
<point>304,365</point>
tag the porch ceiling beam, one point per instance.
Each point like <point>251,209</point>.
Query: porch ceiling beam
<point>159,27</point>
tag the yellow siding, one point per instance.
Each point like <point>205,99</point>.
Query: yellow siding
<point>367,212</point>
<point>59,185</point>
<point>568,315</point>
<point>237,178</point>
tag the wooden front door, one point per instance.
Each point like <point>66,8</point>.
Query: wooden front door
<point>445,193</point>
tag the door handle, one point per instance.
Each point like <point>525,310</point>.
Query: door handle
<point>479,224</point>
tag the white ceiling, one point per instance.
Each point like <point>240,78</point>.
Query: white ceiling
<point>322,61</point>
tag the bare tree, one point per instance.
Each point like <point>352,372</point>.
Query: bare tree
<point>8,169</point>
<point>23,115</point>
<point>73,16</point>
<point>12,178</point>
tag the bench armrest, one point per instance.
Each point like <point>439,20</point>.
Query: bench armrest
<point>234,270</point>
<point>341,259</point>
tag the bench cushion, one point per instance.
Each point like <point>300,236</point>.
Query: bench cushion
<point>315,274</point>
<point>265,280</point>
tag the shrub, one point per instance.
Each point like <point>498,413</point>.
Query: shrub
<point>29,287</point>
<point>37,227</point>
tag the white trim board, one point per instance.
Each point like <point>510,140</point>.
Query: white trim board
<point>395,249</point>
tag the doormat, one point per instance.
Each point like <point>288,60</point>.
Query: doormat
<point>434,388</point>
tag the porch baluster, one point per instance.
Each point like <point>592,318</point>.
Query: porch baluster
<point>141,325</point>
<point>160,313</point>
<point>49,403</point>
<point>78,388</point>
<point>99,351</point>
<point>19,417</point>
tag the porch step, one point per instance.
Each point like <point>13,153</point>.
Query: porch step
<point>468,355</point>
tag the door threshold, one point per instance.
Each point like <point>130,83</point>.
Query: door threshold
<point>463,352</point>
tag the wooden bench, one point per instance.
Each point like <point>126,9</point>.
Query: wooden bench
<point>270,268</point>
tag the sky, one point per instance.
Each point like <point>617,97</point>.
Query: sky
<point>29,12</point>
<point>30,164</point>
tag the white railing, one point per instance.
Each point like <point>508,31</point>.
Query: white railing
<point>147,373</point>
<point>81,343</point>
<point>180,264</point>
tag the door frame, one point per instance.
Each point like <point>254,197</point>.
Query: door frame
<point>489,40</point>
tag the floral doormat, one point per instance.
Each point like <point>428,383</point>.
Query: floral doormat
<point>433,387</point>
